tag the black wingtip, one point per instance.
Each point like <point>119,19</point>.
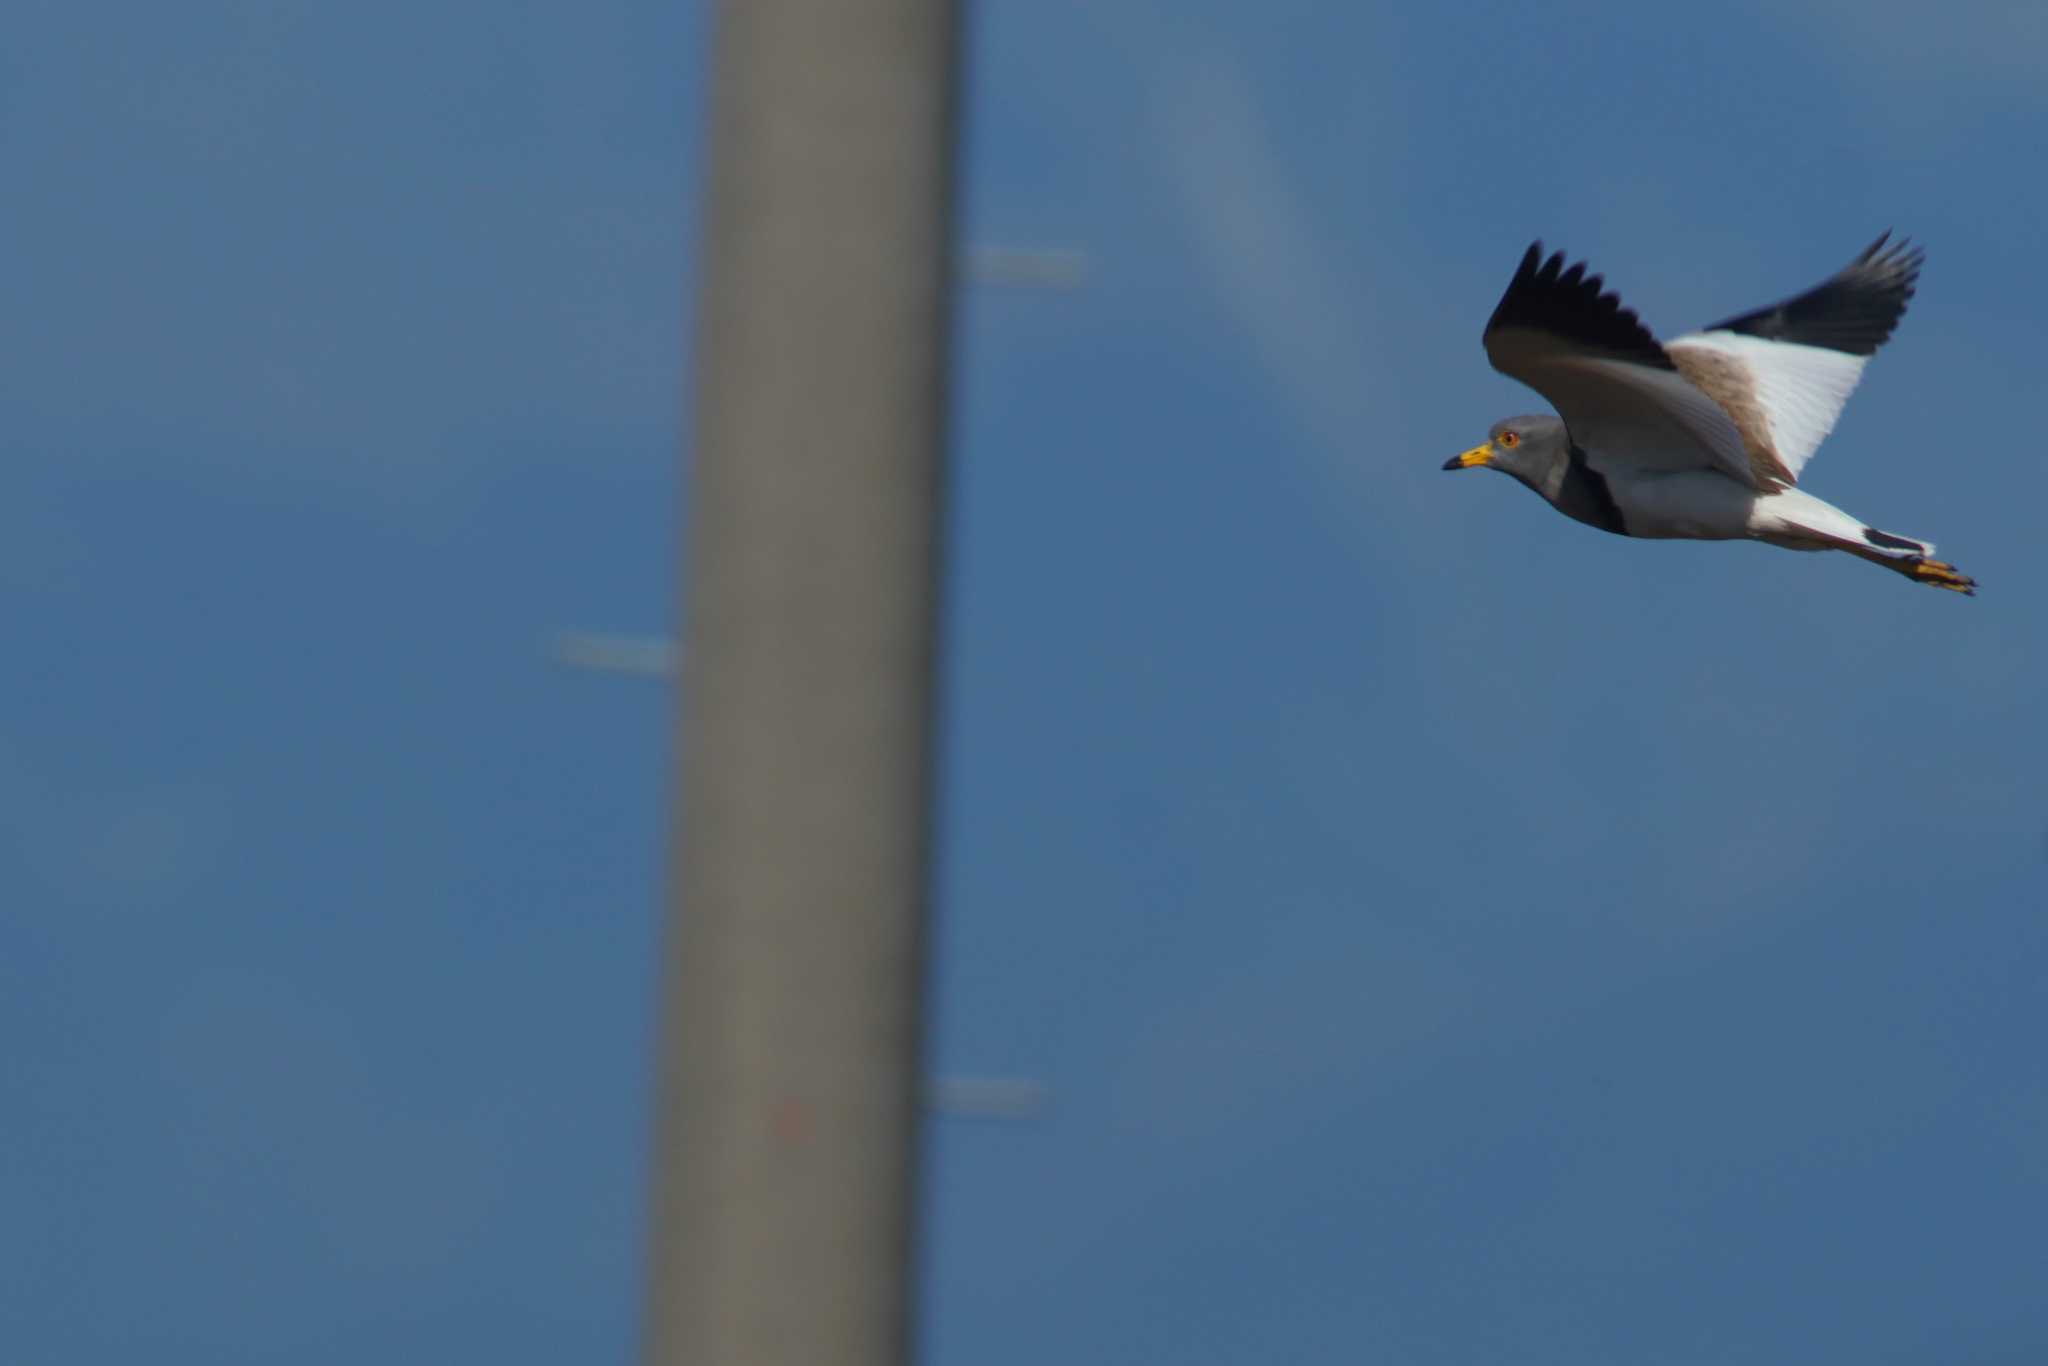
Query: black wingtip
<point>1904,250</point>
<point>1567,302</point>
<point>1853,311</point>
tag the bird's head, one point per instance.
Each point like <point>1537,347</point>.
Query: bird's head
<point>1530,448</point>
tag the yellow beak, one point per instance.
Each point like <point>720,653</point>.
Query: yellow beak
<point>1472,459</point>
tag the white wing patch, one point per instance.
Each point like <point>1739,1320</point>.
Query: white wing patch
<point>1799,390</point>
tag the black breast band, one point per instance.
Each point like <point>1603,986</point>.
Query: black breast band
<point>1584,494</point>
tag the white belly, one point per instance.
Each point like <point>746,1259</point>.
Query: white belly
<point>1696,505</point>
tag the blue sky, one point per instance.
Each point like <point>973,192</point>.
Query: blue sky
<point>1447,933</point>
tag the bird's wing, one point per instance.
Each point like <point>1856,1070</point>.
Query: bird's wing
<point>1784,372</point>
<point>1624,400</point>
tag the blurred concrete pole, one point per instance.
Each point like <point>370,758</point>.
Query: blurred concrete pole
<point>789,1050</point>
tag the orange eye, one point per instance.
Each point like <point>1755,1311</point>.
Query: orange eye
<point>1510,439</point>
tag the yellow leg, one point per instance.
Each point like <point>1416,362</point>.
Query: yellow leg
<point>1938,574</point>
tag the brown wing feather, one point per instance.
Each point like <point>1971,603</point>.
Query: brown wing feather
<point>1727,381</point>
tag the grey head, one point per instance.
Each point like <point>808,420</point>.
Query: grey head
<point>1535,449</point>
<point>1538,451</point>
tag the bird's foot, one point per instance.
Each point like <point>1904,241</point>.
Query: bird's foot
<point>1939,574</point>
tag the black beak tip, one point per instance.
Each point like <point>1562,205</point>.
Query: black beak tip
<point>1456,462</point>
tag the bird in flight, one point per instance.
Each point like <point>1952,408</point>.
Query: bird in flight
<point>1702,437</point>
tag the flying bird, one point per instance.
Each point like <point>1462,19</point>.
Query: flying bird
<point>1702,437</point>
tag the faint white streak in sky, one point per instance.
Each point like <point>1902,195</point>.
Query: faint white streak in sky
<point>639,656</point>
<point>1256,235</point>
<point>1310,296</point>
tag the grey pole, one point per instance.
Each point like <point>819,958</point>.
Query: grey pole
<point>786,1127</point>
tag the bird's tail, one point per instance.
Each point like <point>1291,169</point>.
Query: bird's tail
<point>1797,520</point>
